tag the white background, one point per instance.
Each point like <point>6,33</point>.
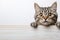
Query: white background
<point>21,12</point>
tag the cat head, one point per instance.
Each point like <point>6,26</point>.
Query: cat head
<point>46,15</point>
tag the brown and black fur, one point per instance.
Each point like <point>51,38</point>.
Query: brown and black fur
<point>46,16</point>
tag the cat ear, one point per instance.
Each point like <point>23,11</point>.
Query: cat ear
<point>54,6</point>
<point>36,6</point>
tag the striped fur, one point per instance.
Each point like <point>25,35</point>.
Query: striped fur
<point>46,16</point>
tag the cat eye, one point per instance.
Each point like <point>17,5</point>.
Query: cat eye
<point>50,14</point>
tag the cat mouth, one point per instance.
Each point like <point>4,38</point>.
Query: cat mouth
<point>45,23</point>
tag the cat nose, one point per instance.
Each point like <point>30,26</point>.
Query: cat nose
<point>45,17</point>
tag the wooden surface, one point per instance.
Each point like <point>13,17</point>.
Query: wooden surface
<point>25,32</point>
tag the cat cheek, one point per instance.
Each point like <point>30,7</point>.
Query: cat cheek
<point>52,15</point>
<point>41,20</point>
<point>37,19</point>
<point>49,20</point>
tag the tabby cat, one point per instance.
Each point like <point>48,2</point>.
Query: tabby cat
<point>46,16</point>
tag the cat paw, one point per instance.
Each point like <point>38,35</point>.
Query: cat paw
<point>33,24</point>
<point>58,24</point>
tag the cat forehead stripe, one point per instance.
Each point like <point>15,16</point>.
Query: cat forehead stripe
<point>45,9</point>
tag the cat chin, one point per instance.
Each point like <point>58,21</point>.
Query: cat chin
<point>45,24</point>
